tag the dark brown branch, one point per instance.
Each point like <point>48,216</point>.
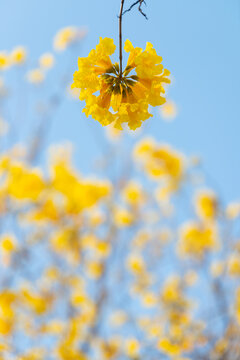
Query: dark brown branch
<point>120,36</point>
<point>140,2</point>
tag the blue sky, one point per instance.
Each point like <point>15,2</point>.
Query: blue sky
<point>199,43</point>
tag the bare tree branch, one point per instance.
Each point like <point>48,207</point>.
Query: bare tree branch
<point>140,2</point>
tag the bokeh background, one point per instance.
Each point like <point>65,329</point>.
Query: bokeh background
<point>74,251</point>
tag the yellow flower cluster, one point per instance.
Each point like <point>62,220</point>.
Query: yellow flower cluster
<point>65,189</point>
<point>159,160</point>
<point>162,163</point>
<point>116,98</point>
<point>68,36</point>
<point>92,239</point>
<point>206,205</point>
<point>17,57</point>
<point>197,239</point>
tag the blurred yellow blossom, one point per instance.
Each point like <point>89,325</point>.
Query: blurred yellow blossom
<point>149,299</point>
<point>67,36</point>
<point>7,299</point>
<point>135,264</point>
<point>112,133</point>
<point>132,347</point>
<point>196,239</point>
<point>234,265</point>
<point>206,204</point>
<point>118,318</point>
<point>233,210</point>
<point>133,193</point>
<point>24,183</point>
<point>18,55</point>
<point>168,111</point>
<point>217,268</point>
<point>237,305</point>
<point>123,217</point>
<point>169,347</point>
<point>8,243</point>
<point>35,76</point>
<point>94,269</point>
<point>191,277</point>
<point>38,303</point>
<point>46,61</point>
<point>73,92</point>
<point>159,160</point>
<point>4,60</point>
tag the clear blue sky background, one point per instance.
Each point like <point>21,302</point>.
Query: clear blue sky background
<point>200,44</point>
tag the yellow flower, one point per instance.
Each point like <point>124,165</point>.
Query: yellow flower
<point>217,268</point>
<point>8,243</point>
<point>66,241</point>
<point>206,204</point>
<point>234,265</point>
<point>7,299</point>
<point>48,211</point>
<point>123,217</point>
<point>35,76</point>
<point>46,61</point>
<point>169,347</point>
<point>103,249</point>
<point>133,194</point>
<point>196,239</point>
<point>72,93</point>
<point>160,161</point>
<point>149,299</point>
<point>172,290</point>
<point>132,347</point>
<point>141,238</point>
<point>79,194</point>
<point>67,36</point>
<point>110,349</point>
<point>237,305</point>
<point>169,110</point>
<point>18,55</point>
<point>123,97</point>
<point>37,303</point>
<point>135,264</point>
<point>95,217</point>
<point>24,183</point>
<point>233,210</point>
<point>4,60</point>
<point>112,133</point>
<point>94,269</point>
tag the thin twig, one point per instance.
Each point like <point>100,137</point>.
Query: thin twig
<point>120,36</point>
<point>140,2</point>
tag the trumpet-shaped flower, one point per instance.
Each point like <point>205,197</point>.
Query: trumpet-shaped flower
<point>115,97</point>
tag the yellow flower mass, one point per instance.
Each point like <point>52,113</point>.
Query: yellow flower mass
<point>18,55</point>
<point>116,98</point>
<point>196,239</point>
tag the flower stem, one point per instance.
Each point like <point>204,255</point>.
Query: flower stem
<point>120,36</point>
